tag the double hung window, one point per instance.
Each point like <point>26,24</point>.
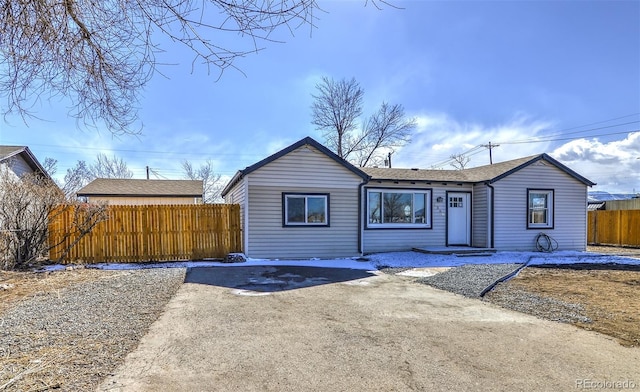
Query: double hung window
<point>539,208</point>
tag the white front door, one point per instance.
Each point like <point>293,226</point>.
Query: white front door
<point>458,218</point>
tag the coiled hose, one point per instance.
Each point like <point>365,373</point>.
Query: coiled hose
<point>544,243</point>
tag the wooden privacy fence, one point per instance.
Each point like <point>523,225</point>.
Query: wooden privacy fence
<point>151,233</point>
<point>618,227</point>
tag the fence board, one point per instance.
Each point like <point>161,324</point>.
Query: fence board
<point>614,227</point>
<point>151,233</point>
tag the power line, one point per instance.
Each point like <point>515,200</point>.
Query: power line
<point>547,138</point>
<point>490,147</point>
<point>569,138</point>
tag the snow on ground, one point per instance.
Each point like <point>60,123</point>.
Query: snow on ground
<point>392,259</point>
<point>417,259</point>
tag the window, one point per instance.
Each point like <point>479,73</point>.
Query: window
<point>305,209</point>
<point>398,208</point>
<point>540,208</point>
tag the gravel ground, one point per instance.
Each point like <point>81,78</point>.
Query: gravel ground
<point>470,279</point>
<point>545,307</point>
<point>80,334</point>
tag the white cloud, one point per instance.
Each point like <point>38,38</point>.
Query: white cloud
<point>613,165</point>
<point>438,136</point>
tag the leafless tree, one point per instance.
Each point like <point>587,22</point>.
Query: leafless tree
<point>110,167</point>
<point>50,165</point>
<point>103,167</point>
<point>28,204</point>
<point>460,161</point>
<point>100,54</point>
<point>210,180</point>
<point>336,111</point>
<point>386,130</point>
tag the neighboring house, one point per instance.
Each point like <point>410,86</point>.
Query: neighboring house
<point>20,160</point>
<point>305,201</point>
<point>138,192</point>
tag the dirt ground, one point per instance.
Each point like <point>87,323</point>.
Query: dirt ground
<point>377,332</point>
<point>16,286</point>
<point>608,295</point>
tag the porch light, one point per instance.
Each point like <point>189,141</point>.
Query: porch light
<point>439,199</point>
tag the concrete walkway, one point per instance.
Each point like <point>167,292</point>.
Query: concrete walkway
<point>340,330</point>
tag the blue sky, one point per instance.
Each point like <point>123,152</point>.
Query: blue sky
<point>533,76</point>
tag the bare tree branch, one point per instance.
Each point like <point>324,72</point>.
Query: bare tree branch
<point>385,131</point>
<point>210,180</point>
<point>99,54</point>
<point>103,167</point>
<point>28,203</point>
<point>336,110</point>
<point>460,161</point>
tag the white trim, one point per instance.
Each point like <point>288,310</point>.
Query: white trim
<point>428,193</point>
<point>549,193</point>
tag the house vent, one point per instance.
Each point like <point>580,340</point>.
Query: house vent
<point>414,168</point>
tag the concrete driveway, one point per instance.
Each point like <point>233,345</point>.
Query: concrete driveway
<point>315,329</point>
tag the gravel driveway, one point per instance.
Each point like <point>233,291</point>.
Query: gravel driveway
<point>376,332</point>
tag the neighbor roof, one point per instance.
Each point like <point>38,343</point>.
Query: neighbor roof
<point>8,152</point>
<point>487,173</point>
<point>146,188</point>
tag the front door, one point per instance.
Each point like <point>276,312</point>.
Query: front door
<point>458,218</point>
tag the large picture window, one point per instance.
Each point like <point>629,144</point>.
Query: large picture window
<point>396,208</point>
<point>540,208</point>
<point>305,209</point>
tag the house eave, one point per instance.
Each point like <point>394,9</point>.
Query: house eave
<point>547,158</point>
<point>303,142</point>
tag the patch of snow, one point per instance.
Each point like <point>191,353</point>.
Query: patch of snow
<point>417,259</point>
<point>249,293</point>
<point>391,259</point>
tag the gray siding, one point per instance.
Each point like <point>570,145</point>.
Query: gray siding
<point>237,196</point>
<point>391,240</point>
<point>18,165</point>
<point>480,217</point>
<point>570,212</point>
<point>302,171</point>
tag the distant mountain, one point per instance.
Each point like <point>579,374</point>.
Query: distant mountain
<point>604,196</point>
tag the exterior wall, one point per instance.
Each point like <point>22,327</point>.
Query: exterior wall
<point>391,240</point>
<point>570,212</point>
<point>480,216</point>
<point>17,165</point>
<point>133,201</point>
<point>302,171</point>
<point>631,204</point>
<point>237,196</point>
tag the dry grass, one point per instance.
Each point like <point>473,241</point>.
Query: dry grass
<point>611,297</point>
<point>22,285</point>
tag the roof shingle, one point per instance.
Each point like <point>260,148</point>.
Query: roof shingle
<point>136,187</point>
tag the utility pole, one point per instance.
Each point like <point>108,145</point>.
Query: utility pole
<point>490,147</point>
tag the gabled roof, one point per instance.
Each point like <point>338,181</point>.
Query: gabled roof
<point>306,141</point>
<point>8,152</point>
<point>142,188</point>
<point>487,173</point>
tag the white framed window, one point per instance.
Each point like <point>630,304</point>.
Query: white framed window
<point>305,209</point>
<point>398,208</point>
<point>540,206</point>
